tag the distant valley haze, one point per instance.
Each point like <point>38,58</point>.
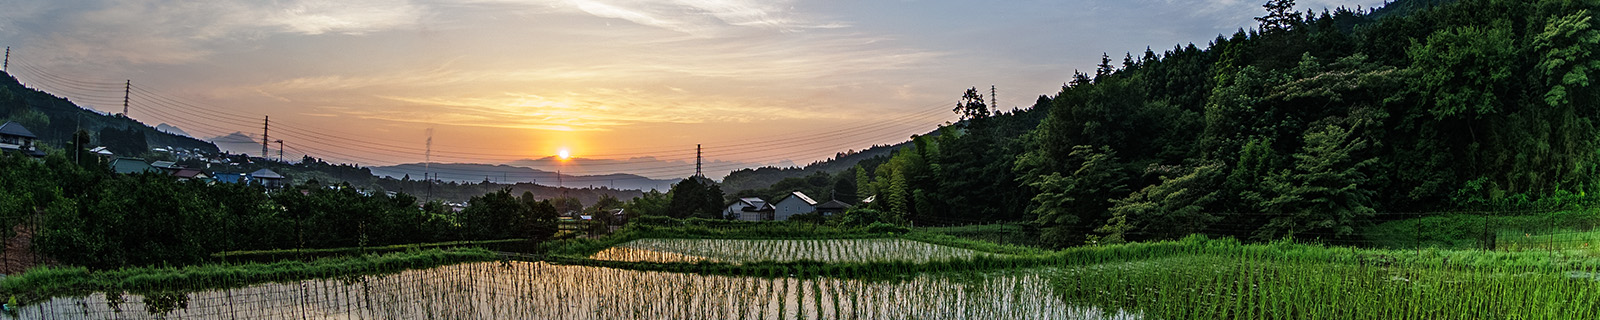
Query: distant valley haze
<point>622,86</point>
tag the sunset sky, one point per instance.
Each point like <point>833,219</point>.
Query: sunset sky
<point>630,85</point>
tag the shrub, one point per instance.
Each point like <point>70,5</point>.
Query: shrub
<point>879,227</point>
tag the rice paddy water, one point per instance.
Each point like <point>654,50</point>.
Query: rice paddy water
<point>537,290</point>
<point>1190,279</point>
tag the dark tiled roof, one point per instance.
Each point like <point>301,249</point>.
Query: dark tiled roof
<point>165,164</point>
<point>266,174</point>
<point>187,173</point>
<point>15,129</point>
<point>130,165</point>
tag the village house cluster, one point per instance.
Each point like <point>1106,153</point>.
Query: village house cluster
<point>756,209</point>
<point>16,138</point>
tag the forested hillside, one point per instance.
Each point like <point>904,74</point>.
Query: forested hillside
<point>763,177</point>
<point>54,119</point>
<point>1305,127</point>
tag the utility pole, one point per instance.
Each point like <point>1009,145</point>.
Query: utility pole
<point>994,100</point>
<point>266,122</point>
<point>427,161</point>
<point>77,149</point>
<point>126,87</point>
<point>280,150</point>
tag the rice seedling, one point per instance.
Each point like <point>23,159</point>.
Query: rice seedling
<point>1554,240</point>
<point>871,278</point>
<point>738,251</point>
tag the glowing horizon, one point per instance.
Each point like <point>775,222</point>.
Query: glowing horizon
<point>755,82</point>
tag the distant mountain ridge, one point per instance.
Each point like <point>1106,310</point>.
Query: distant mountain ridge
<point>475,172</point>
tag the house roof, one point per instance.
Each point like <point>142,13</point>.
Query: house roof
<point>16,129</point>
<point>801,196</point>
<point>100,151</point>
<point>164,164</point>
<point>266,174</point>
<point>751,204</point>
<point>130,165</point>
<point>753,201</point>
<point>188,173</point>
<point>833,204</point>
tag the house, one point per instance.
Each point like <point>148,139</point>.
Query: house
<point>793,204</point>
<point>832,207</point>
<point>267,178</point>
<point>224,177</point>
<point>748,209</point>
<point>102,152</point>
<point>619,216</point>
<point>14,137</point>
<point>166,165</point>
<point>191,174</point>
<point>125,165</point>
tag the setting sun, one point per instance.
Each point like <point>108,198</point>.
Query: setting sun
<point>564,154</point>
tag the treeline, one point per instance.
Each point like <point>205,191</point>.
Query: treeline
<point>461,192</point>
<point>750,179</point>
<point>88,216</point>
<point>1303,128</point>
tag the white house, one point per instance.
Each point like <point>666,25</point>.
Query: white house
<point>793,204</point>
<point>748,209</point>
<point>17,138</point>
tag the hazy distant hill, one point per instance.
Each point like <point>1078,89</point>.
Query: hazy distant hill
<point>54,119</point>
<point>473,173</point>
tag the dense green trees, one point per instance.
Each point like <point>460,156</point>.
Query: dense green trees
<point>88,216</point>
<point>1306,128</point>
<point>499,215</point>
<point>695,197</point>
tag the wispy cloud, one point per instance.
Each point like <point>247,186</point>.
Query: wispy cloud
<point>175,32</point>
<point>701,17</point>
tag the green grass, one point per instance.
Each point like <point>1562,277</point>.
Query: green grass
<point>1476,231</point>
<point>1016,234</point>
<point>47,282</point>
<point>1223,287</point>
<point>945,239</point>
<point>1567,239</point>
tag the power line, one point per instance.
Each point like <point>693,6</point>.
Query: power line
<point>828,138</point>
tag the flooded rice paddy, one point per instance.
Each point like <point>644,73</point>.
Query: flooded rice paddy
<point>537,290</point>
<point>737,251</point>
